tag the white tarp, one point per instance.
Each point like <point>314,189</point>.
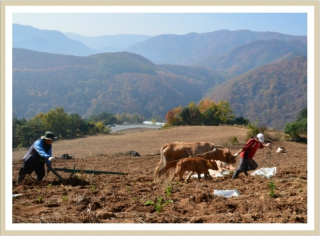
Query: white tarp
<point>267,172</point>
<point>213,173</point>
<point>226,193</point>
<point>194,176</point>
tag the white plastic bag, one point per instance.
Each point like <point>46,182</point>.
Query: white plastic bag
<point>195,176</point>
<point>214,173</point>
<point>226,193</point>
<point>267,172</point>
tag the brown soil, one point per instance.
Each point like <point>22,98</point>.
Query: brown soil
<point>114,198</point>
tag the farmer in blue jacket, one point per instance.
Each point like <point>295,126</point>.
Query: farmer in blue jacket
<point>38,154</point>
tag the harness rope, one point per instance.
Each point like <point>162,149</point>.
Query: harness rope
<point>268,153</point>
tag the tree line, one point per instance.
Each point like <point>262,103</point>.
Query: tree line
<point>205,113</point>
<point>210,113</point>
<point>65,126</point>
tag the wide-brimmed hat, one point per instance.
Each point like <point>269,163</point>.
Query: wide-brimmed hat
<point>49,136</point>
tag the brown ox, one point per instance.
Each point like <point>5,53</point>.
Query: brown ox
<point>194,164</point>
<point>171,153</point>
<point>218,154</point>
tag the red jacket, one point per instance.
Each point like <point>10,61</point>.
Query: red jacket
<point>250,148</point>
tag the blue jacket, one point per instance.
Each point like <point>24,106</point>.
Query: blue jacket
<point>38,153</point>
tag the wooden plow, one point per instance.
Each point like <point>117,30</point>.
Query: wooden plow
<point>72,171</point>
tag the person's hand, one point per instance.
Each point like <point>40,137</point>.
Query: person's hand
<point>269,145</point>
<point>49,160</point>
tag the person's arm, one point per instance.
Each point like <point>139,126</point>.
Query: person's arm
<point>39,148</point>
<point>237,153</point>
<point>245,148</point>
<point>267,145</point>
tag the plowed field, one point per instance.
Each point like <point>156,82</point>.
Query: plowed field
<point>114,198</point>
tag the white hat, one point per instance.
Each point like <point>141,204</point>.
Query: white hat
<point>260,137</point>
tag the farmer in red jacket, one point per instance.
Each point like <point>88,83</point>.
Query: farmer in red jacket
<point>247,153</point>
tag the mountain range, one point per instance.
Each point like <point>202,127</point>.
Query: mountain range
<point>194,48</point>
<point>109,43</point>
<point>160,73</point>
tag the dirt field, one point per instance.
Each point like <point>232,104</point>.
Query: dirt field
<point>106,198</point>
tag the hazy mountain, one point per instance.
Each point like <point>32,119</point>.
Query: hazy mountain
<point>108,82</point>
<point>50,41</point>
<point>190,48</point>
<point>135,82</point>
<point>254,54</point>
<point>109,43</point>
<point>273,94</point>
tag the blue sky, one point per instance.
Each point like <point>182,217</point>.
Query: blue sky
<point>98,24</point>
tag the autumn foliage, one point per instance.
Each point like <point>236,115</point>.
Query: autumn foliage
<point>205,113</point>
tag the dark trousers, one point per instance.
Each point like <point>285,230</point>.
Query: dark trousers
<point>244,166</point>
<point>28,169</point>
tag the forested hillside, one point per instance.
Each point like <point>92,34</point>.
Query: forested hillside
<point>254,54</point>
<point>108,82</point>
<point>125,82</point>
<point>272,95</point>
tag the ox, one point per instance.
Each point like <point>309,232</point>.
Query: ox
<point>171,153</point>
<point>194,164</point>
<point>220,155</point>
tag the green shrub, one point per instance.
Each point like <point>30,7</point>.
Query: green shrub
<point>253,130</point>
<point>298,128</point>
<point>234,140</point>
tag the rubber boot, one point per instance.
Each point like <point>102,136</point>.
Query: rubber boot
<point>245,172</point>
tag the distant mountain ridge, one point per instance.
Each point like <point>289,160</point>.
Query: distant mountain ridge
<point>254,54</point>
<point>191,48</point>
<point>49,41</point>
<point>188,49</point>
<point>109,43</point>
<point>195,66</point>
